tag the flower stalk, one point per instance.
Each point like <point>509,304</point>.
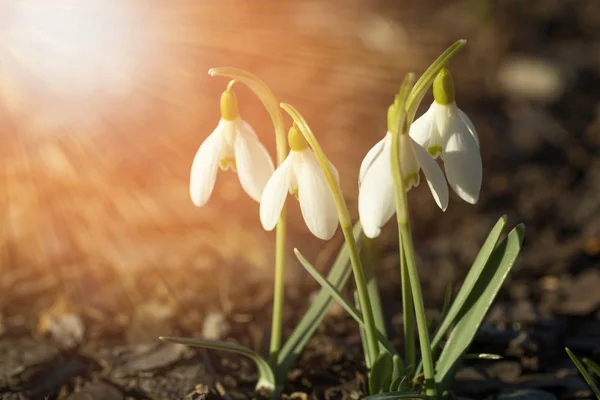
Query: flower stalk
<point>346,225</point>
<point>408,312</point>
<point>405,234</point>
<point>262,91</point>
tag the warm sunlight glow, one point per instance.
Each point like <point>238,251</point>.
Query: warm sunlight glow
<point>73,46</point>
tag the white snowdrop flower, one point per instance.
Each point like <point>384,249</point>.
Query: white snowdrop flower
<point>301,175</point>
<point>232,145</point>
<point>376,185</point>
<point>444,130</point>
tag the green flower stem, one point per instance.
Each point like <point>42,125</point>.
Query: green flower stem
<point>262,91</point>
<point>408,312</point>
<point>406,242</point>
<point>346,225</point>
<point>413,275</point>
<point>278,290</point>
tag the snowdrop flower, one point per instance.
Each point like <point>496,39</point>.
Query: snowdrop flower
<point>232,145</point>
<point>301,175</point>
<point>444,130</point>
<point>376,185</point>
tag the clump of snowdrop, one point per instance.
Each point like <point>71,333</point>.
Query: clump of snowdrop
<point>389,170</point>
<point>301,175</point>
<point>232,145</point>
<point>446,131</point>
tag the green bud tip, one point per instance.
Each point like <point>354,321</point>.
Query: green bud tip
<point>443,88</point>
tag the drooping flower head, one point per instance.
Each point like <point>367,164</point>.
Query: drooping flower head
<point>301,175</point>
<point>232,145</point>
<point>376,184</point>
<point>444,130</point>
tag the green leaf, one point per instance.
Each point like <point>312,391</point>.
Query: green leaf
<point>472,277</point>
<point>397,383</point>
<point>588,378</point>
<point>447,301</point>
<point>477,304</point>
<point>398,374</point>
<point>266,378</point>
<point>592,365</point>
<point>335,293</point>
<point>380,375</point>
<point>397,396</point>
<point>338,276</point>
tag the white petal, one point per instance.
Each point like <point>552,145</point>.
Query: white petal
<point>253,162</point>
<point>275,193</point>
<point>376,195</point>
<point>205,166</point>
<point>422,128</point>
<point>316,201</point>
<point>409,165</point>
<point>368,160</point>
<point>467,121</point>
<point>462,162</point>
<point>434,175</point>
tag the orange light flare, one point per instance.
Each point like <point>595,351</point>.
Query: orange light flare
<point>103,104</point>
<point>73,46</point>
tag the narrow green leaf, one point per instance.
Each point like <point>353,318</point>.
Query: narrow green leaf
<point>592,365</point>
<point>447,301</point>
<point>588,378</point>
<point>397,373</point>
<point>338,276</point>
<point>397,383</point>
<point>397,396</point>
<point>266,378</point>
<point>380,375</point>
<point>472,277</point>
<point>477,304</point>
<point>337,295</point>
<point>445,309</point>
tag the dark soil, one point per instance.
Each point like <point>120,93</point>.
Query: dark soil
<point>69,331</point>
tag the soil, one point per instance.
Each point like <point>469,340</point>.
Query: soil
<point>82,303</point>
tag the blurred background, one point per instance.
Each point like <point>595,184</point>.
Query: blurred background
<point>104,103</point>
